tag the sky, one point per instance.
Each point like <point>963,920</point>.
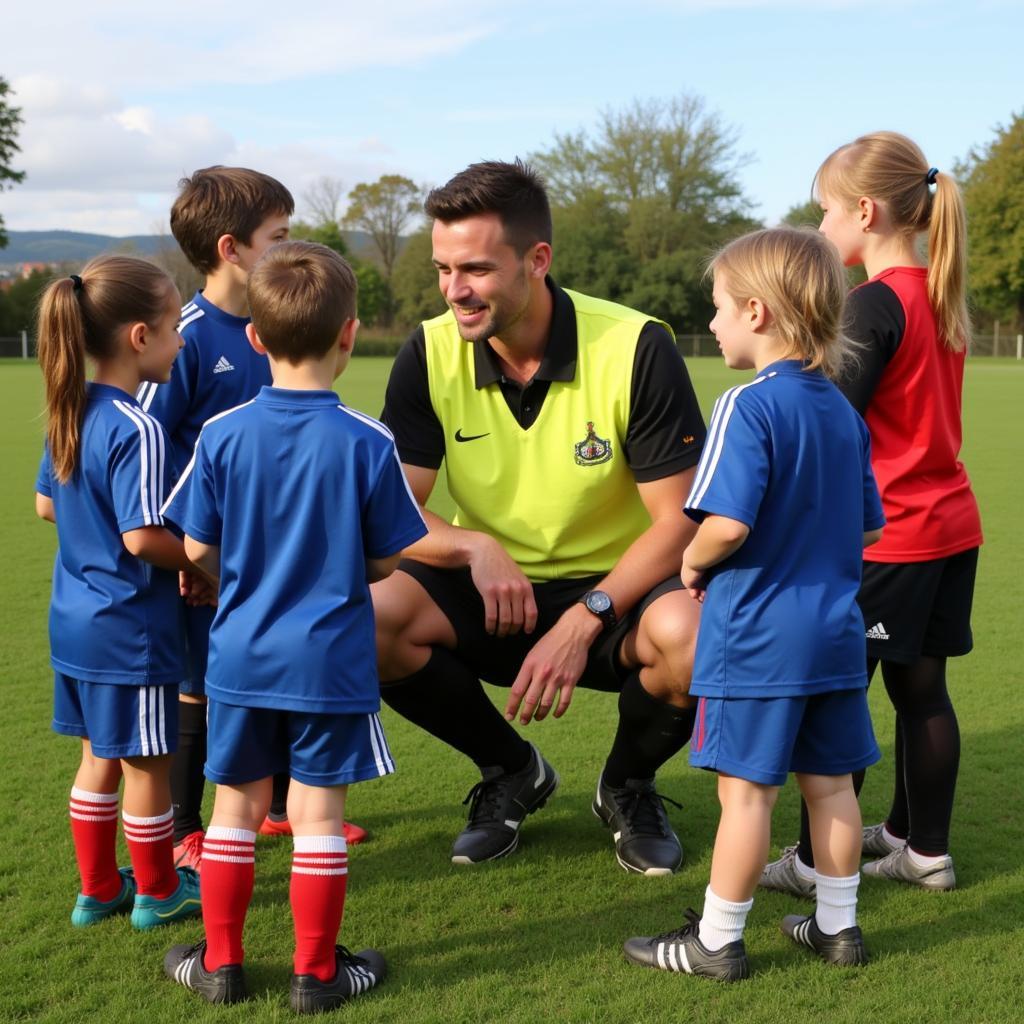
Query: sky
<point>121,99</point>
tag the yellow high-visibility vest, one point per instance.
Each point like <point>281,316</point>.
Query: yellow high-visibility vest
<point>559,497</point>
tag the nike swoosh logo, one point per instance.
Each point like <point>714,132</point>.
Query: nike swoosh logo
<point>459,436</point>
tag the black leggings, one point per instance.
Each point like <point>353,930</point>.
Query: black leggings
<point>927,757</point>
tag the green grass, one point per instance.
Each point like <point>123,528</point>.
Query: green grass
<point>535,938</point>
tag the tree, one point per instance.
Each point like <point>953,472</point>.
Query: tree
<point>326,233</point>
<point>384,209</point>
<point>414,283</point>
<point>642,201</point>
<point>323,199</point>
<point>20,302</point>
<point>10,120</point>
<point>804,215</point>
<point>993,184</point>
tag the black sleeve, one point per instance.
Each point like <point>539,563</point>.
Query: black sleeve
<point>666,430</point>
<point>408,412</point>
<point>875,322</point>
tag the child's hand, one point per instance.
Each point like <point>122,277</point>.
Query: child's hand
<point>696,582</point>
<point>196,589</point>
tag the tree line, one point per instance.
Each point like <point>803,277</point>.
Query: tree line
<point>638,202</point>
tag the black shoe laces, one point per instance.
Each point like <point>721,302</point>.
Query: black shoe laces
<point>643,811</point>
<point>347,957</point>
<point>487,800</point>
<point>684,932</point>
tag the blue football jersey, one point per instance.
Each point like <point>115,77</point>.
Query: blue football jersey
<point>789,457</point>
<point>113,617</point>
<point>297,491</point>
<point>216,370</point>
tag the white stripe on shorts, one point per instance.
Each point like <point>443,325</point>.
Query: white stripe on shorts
<point>381,751</point>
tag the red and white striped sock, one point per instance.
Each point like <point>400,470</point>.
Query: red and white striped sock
<point>151,849</point>
<point>225,885</point>
<point>94,833</point>
<point>319,874</point>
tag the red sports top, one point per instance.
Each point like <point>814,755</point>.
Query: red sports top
<point>914,416</point>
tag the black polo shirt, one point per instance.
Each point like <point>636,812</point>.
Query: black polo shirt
<point>665,432</point>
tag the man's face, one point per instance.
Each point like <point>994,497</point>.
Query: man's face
<point>482,278</point>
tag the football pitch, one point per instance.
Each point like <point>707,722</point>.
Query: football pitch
<point>536,937</point>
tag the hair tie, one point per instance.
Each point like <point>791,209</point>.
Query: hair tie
<point>76,281</point>
<point>933,173</point>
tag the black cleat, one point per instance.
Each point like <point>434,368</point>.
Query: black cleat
<point>498,804</point>
<point>644,840</point>
<point>681,950</point>
<point>184,964</point>
<point>844,949</point>
<point>356,973</point>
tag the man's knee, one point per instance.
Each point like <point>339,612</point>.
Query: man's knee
<point>667,636</point>
<point>408,623</point>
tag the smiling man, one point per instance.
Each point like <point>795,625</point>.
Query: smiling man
<point>570,433</point>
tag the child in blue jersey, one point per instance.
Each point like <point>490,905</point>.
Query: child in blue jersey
<point>115,631</point>
<point>224,219</point>
<point>297,503</point>
<point>786,500</point>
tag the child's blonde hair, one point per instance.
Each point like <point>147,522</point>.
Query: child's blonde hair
<point>891,169</point>
<point>799,276</point>
<point>79,316</point>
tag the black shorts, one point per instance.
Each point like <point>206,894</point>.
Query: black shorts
<point>919,608</point>
<point>497,660</point>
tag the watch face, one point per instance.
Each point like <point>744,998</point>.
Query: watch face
<point>598,601</point>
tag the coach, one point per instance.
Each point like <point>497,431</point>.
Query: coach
<point>570,433</point>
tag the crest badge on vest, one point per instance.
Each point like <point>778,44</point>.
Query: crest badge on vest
<point>592,450</point>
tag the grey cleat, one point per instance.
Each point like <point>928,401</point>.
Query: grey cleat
<point>899,867</point>
<point>783,876</point>
<point>874,844</point>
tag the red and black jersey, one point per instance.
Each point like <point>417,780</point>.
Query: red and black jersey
<point>908,388</point>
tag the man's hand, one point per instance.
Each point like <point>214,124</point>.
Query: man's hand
<point>553,667</point>
<point>509,605</point>
<point>695,581</point>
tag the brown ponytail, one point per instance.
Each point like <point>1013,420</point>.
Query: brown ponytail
<point>79,318</point>
<point>891,169</point>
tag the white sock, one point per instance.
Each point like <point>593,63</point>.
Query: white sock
<point>722,922</point>
<point>837,902</point>
<point>802,869</point>
<point>923,860</point>
<point>895,842</point>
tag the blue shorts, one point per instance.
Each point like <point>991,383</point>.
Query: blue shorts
<point>197,648</point>
<point>117,720</point>
<point>246,744</point>
<point>763,739</point>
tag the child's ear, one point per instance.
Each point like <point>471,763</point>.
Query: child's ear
<point>867,212</point>
<point>347,337</point>
<point>227,249</point>
<point>254,339</point>
<point>137,336</point>
<point>757,313</point>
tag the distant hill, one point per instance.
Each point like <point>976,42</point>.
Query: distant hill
<point>78,246</point>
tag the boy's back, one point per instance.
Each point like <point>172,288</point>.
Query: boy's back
<point>297,491</point>
<point>790,459</point>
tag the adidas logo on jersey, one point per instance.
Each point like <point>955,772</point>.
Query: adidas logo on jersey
<point>222,366</point>
<point>877,632</point>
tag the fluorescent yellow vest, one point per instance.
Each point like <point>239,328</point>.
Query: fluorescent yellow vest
<point>560,497</point>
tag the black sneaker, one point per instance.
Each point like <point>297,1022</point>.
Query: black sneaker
<point>356,973</point>
<point>498,803</point>
<point>844,949</point>
<point>184,964</point>
<point>644,840</point>
<point>682,950</point>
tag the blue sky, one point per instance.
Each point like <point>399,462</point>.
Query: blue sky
<point>120,101</point>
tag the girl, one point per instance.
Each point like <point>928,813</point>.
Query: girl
<point>879,197</point>
<point>114,621</point>
<point>786,501</point>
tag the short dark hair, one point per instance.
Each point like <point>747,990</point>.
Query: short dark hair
<point>300,295</point>
<point>514,191</point>
<point>219,201</point>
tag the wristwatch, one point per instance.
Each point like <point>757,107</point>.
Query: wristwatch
<point>600,604</point>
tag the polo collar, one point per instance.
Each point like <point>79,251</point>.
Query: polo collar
<point>559,362</point>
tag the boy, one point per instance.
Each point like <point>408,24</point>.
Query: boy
<point>297,503</point>
<point>224,219</point>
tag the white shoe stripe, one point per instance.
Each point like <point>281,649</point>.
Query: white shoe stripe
<point>684,960</point>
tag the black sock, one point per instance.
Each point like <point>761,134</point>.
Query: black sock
<point>649,733</point>
<point>931,749</point>
<point>279,801</point>
<point>803,850</point>
<point>898,819</point>
<point>187,779</point>
<point>446,698</point>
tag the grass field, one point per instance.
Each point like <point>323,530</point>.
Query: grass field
<point>537,937</point>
